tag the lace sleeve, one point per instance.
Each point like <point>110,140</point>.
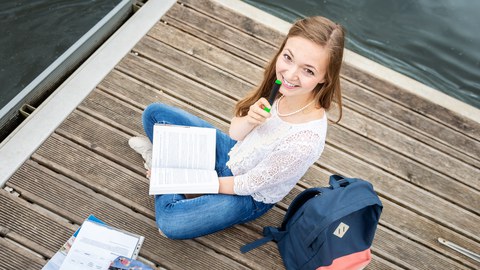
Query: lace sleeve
<point>285,165</point>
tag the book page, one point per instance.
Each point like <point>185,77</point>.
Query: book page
<point>97,245</point>
<point>183,147</point>
<point>173,180</point>
<point>183,160</point>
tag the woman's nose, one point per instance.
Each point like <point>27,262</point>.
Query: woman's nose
<point>292,74</point>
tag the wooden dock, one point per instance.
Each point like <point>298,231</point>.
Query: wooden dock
<point>423,160</point>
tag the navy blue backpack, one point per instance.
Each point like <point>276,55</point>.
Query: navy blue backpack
<point>327,228</point>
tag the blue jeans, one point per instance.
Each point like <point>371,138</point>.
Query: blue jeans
<point>181,218</point>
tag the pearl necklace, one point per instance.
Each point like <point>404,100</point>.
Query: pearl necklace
<point>292,113</point>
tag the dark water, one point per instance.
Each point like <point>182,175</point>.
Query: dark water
<point>434,42</point>
<point>34,33</point>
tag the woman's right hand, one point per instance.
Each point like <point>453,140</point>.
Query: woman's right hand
<point>256,114</point>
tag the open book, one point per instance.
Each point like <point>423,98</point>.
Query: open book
<point>183,160</point>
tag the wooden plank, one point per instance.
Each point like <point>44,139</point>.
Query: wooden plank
<point>117,84</point>
<point>24,221</point>
<point>172,59</point>
<point>129,90</point>
<point>13,256</point>
<point>27,243</point>
<point>117,114</point>
<point>79,201</point>
<point>409,146</point>
<point>230,241</point>
<point>225,33</point>
<point>233,19</point>
<point>412,255</point>
<point>382,86</point>
<point>379,263</point>
<point>101,139</point>
<point>204,51</point>
<point>202,97</point>
<point>96,172</point>
<point>426,232</point>
<point>404,115</point>
<point>213,41</point>
<point>126,124</point>
<point>421,138</point>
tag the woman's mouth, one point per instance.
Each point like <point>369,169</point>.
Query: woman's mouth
<point>288,85</point>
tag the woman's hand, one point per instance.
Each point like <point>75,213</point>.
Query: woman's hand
<point>241,126</point>
<point>256,114</point>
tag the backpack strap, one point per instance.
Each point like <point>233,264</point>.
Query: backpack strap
<point>276,234</point>
<point>269,233</point>
<point>337,181</point>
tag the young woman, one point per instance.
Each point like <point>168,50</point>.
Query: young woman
<point>265,153</point>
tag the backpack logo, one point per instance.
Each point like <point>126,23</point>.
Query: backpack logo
<point>341,230</point>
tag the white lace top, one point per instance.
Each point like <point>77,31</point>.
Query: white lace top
<point>274,156</point>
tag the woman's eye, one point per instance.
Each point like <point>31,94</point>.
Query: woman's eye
<point>287,57</point>
<point>309,71</point>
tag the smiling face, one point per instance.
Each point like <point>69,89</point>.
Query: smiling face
<point>301,66</point>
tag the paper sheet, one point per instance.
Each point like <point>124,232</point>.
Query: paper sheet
<point>96,246</point>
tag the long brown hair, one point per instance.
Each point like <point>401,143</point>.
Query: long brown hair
<point>323,32</point>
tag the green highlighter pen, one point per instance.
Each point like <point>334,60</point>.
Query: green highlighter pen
<point>273,94</point>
